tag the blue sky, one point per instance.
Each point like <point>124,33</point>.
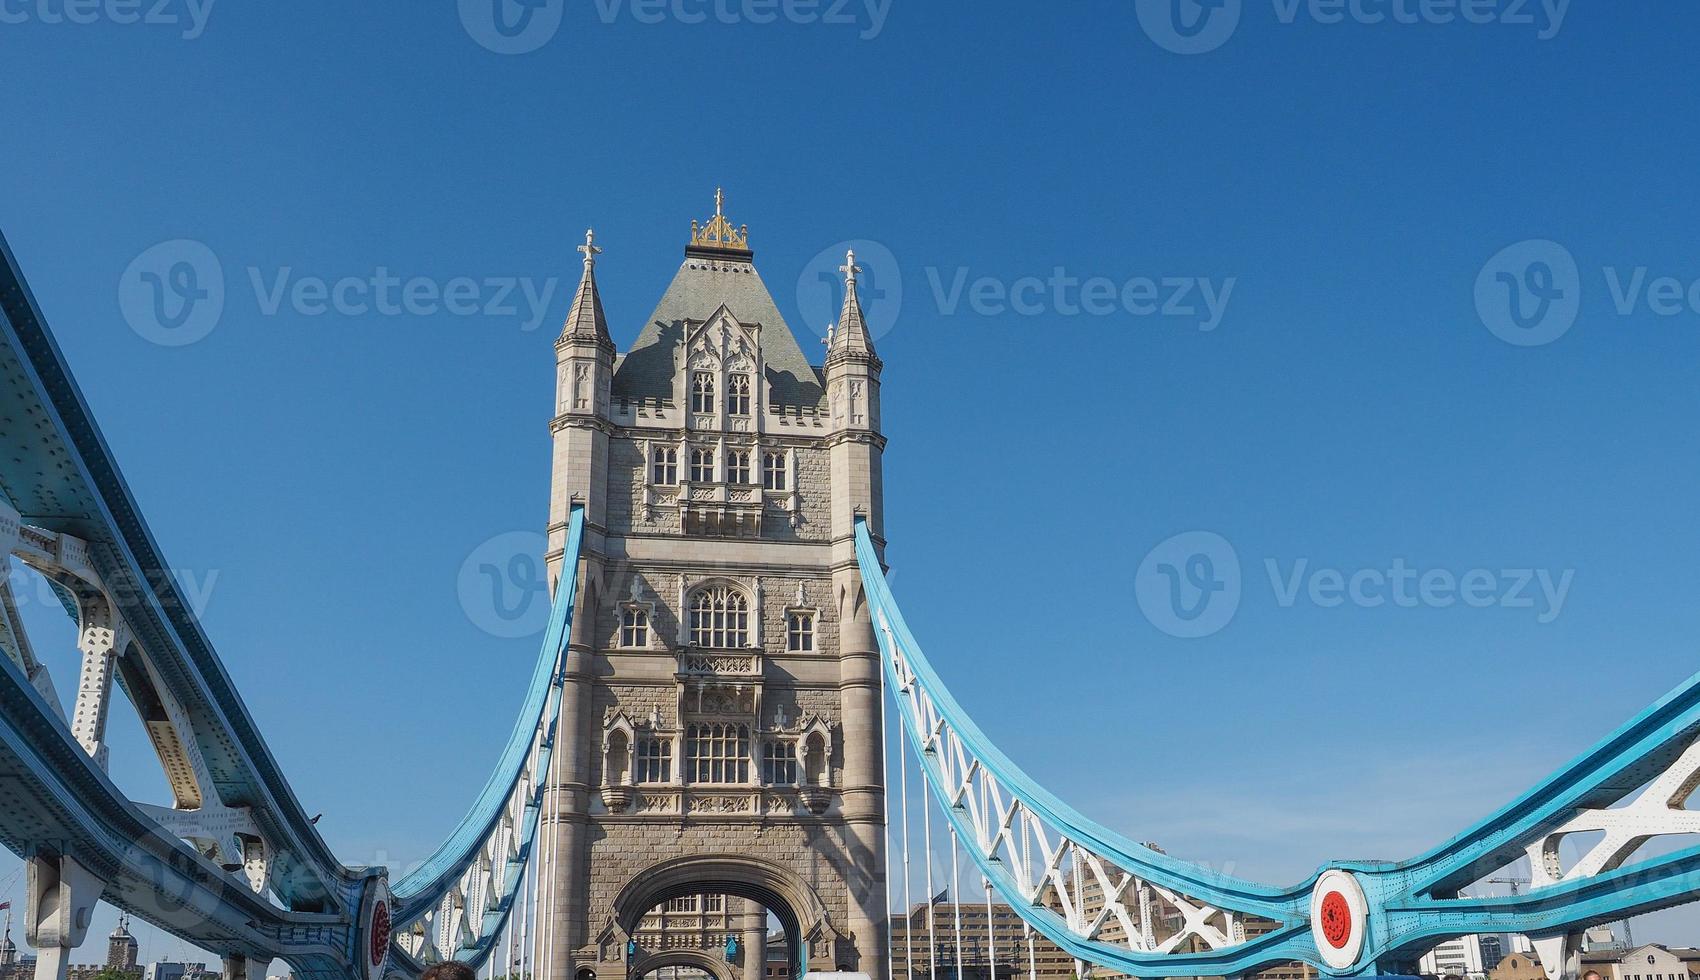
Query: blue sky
<point>1290,341</point>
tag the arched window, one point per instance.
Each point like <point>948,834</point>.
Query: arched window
<point>702,466</point>
<point>720,618</point>
<point>738,394</point>
<point>738,466</point>
<point>718,753</point>
<point>634,628</point>
<point>702,392</point>
<point>800,631</point>
<point>778,763</point>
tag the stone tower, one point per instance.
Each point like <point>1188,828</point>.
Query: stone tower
<point>720,727</point>
<point>121,948</point>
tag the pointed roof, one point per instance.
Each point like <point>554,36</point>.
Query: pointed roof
<point>585,320</point>
<point>850,336</point>
<point>716,274</point>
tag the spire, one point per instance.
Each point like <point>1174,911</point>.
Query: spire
<point>850,335</point>
<point>585,320</point>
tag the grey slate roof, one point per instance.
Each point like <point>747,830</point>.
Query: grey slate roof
<point>701,285</point>
<point>584,317</point>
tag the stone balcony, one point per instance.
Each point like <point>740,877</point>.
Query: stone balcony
<point>719,664</point>
<point>721,509</point>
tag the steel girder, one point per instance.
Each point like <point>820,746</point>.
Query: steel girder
<point>234,864</point>
<point>1091,891</point>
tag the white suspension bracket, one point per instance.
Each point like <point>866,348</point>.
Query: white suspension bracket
<point>61,900</point>
<point>239,967</point>
<point>101,637</point>
<point>227,835</point>
<point>1659,811</point>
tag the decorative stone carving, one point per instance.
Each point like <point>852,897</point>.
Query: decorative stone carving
<point>719,803</point>
<point>657,803</point>
<point>815,798</point>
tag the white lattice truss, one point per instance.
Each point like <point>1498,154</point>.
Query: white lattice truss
<point>475,908</point>
<point>1660,810</point>
<point>1095,898</point>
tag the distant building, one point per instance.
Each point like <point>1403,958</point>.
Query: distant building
<point>991,938</point>
<point>170,970</point>
<point>1493,951</point>
<point>1649,962</point>
<point>1518,966</point>
<point>1606,939</point>
<point>778,960</point>
<point>120,956</point>
<point>1460,956</point>
<point>121,947</point>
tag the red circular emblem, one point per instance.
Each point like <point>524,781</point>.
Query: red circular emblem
<point>1336,920</point>
<point>380,933</point>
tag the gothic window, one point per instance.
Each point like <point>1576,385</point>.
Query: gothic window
<point>738,466</point>
<point>720,619</point>
<point>719,753</point>
<point>666,468</point>
<point>702,392</point>
<point>738,394</point>
<point>654,760</point>
<point>773,471</point>
<point>702,466</point>
<point>800,632</point>
<point>778,764</point>
<point>714,903</point>
<point>634,628</point>
<point>686,904</point>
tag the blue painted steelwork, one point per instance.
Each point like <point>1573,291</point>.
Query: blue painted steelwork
<point>61,476</point>
<point>65,486</point>
<point>1411,905</point>
<point>420,891</point>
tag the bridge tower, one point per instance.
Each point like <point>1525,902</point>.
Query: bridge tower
<point>721,723</point>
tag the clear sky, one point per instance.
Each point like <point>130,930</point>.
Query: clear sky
<point>1341,390</point>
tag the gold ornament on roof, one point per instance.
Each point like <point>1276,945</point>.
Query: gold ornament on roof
<point>718,232</point>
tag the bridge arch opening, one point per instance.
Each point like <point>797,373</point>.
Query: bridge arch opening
<point>787,898</point>
<point>683,964</point>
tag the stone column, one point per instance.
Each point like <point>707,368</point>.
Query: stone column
<point>754,940</point>
<point>864,775</point>
<point>566,804</point>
